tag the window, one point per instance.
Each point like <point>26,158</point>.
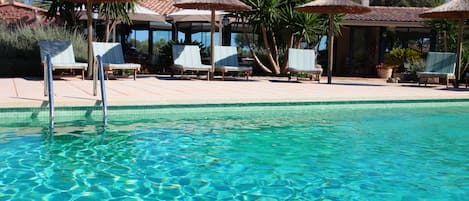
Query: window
<point>139,41</point>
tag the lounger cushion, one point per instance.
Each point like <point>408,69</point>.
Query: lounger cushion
<point>187,57</point>
<point>226,60</point>
<point>109,52</point>
<point>202,67</point>
<point>61,53</point>
<point>302,60</point>
<point>112,56</point>
<point>439,64</point>
<point>225,56</point>
<point>233,68</point>
<point>127,66</point>
<point>69,66</point>
<point>434,74</point>
<point>315,70</point>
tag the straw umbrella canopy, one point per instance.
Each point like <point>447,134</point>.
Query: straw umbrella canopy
<point>212,5</point>
<point>192,15</point>
<point>139,13</point>
<point>453,10</point>
<point>332,7</point>
<point>89,14</point>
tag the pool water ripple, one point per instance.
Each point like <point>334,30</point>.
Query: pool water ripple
<point>255,153</point>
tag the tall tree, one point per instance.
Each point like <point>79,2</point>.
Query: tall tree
<point>68,11</point>
<point>115,13</point>
<point>280,27</point>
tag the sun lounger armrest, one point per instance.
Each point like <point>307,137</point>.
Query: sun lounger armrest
<point>434,74</point>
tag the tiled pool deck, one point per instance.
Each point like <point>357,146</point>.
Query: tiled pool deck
<point>162,90</point>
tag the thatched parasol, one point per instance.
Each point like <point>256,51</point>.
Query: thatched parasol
<point>332,7</point>
<point>212,5</point>
<point>226,5</point>
<point>454,10</point>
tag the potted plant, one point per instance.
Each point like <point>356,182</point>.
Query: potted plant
<point>400,58</point>
<point>384,70</point>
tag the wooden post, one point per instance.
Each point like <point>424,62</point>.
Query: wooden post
<point>330,48</point>
<point>212,43</point>
<point>459,52</point>
<point>91,71</point>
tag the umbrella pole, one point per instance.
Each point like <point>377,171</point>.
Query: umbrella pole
<point>89,21</point>
<point>459,52</point>
<point>330,48</point>
<point>212,42</point>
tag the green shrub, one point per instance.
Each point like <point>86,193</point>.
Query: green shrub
<point>399,56</point>
<point>19,52</point>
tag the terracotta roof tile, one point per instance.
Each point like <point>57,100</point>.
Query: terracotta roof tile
<point>390,14</point>
<point>14,13</point>
<point>377,14</point>
<point>21,5</point>
<point>163,7</point>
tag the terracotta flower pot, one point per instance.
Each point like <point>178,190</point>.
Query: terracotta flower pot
<point>384,72</point>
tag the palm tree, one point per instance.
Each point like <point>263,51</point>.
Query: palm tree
<point>68,11</point>
<point>115,13</point>
<point>281,27</point>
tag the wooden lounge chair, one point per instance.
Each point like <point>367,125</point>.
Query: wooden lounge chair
<point>62,56</point>
<point>226,60</point>
<point>113,58</point>
<point>187,58</point>
<point>438,65</point>
<point>303,61</point>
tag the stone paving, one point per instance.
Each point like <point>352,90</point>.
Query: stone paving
<point>163,90</point>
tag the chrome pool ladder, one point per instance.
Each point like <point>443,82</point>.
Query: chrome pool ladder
<point>50,89</point>
<point>103,87</point>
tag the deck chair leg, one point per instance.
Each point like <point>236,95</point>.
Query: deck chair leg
<point>82,74</point>
<point>447,81</point>
<point>289,76</point>
<point>135,74</point>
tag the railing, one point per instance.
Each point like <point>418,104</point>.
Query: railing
<point>50,91</point>
<point>103,87</point>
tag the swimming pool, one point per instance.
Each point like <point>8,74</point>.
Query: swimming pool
<point>304,151</point>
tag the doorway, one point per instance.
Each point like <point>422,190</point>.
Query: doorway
<point>363,51</point>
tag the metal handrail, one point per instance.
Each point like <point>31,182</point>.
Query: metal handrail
<point>103,87</point>
<point>50,91</point>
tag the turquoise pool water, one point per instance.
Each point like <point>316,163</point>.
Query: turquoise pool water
<point>411,151</point>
